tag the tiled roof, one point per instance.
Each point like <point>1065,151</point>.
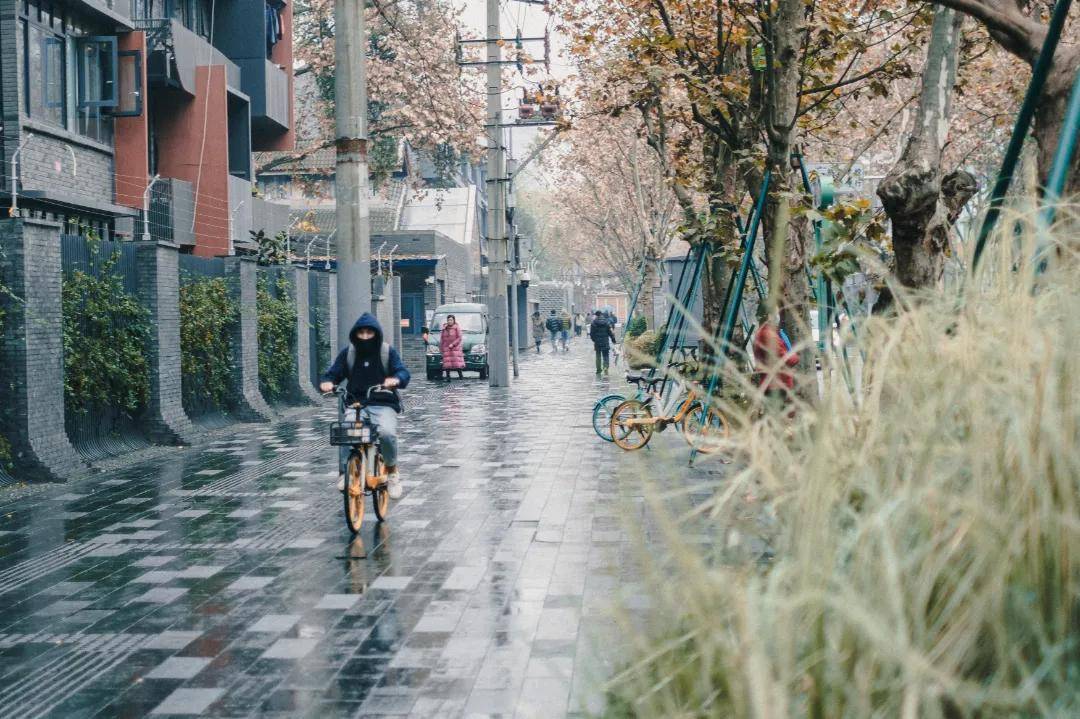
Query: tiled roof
<point>324,159</point>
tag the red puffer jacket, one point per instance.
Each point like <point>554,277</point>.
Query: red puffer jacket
<point>453,356</point>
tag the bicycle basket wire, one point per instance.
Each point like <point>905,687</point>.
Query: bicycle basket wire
<point>350,433</point>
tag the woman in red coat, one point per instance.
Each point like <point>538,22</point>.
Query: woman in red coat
<point>453,357</point>
<point>772,357</point>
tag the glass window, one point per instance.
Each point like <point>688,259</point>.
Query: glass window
<point>97,71</point>
<point>44,75</point>
<point>469,322</point>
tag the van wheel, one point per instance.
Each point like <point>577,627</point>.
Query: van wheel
<point>430,375</point>
<point>484,373</point>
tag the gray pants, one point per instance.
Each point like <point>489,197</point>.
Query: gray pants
<point>385,421</point>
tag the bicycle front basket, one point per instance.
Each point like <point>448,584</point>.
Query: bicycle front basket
<point>350,433</point>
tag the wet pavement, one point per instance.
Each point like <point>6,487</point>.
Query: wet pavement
<point>220,581</point>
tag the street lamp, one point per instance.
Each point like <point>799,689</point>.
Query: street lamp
<point>146,207</point>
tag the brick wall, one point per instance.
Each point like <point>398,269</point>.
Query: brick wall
<point>248,402</point>
<point>32,353</point>
<point>299,283</point>
<point>46,164</point>
<point>157,265</point>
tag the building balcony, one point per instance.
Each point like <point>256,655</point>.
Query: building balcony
<point>175,52</point>
<point>267,86</point>
<point>172,208</point>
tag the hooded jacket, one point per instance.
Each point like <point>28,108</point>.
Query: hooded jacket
<point>600,333</point>
<point>367,370</point>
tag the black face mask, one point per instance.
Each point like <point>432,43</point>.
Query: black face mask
<point>366,347</point>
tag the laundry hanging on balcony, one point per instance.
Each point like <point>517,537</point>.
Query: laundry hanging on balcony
<point>275,25</point>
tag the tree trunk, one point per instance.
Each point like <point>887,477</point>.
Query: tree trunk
<point>1050,118</point>
<point>645,302</point>
<point>912,191</point>
<point>785,250</point>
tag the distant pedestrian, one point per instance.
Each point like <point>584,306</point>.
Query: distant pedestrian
<point>537,330</point>
<point>601,335</point>
<point>564,331</point>
<point>772,355</point>
<point>453,356</point>
<point>554,327</point>
<point>578,322</point>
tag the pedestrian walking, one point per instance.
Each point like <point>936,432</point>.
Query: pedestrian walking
<point>601,335</point>
<point>578,322</point>
<point>772,355</point>
<point>537,330</point>
<point>564,330</point>
<point>554,327</point>
<point>453,357</point>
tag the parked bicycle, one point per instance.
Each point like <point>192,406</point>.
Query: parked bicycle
<point>634,421</point>
<point>602,410</point>
<point>365,472</point>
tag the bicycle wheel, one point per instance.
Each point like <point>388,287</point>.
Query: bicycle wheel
<point>355,477</point>
<point>380,495</point>
<point>705,434</point>
<point>601,415</point>
<point>631,425</point>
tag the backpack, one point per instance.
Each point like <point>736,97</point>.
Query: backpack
<point>384,357</point>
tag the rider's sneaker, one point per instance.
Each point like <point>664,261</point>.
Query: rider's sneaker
<point>393,485</point>
<point>341,483</point>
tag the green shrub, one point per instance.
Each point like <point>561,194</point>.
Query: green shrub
<point>208,315</point>
<point>106,332</point>
<point>277,338</point>
<point>636,326</point>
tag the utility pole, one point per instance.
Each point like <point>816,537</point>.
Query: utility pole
<point>512,241</point>
<point>499,345</point>
<point>351,179</point>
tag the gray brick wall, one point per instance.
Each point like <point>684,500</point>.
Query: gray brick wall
<point>32,353</point>
<point>248,402</point>
<point>299,288</point>
<point>157,265</point>
<point>91,176</point>
<point>550,296</point>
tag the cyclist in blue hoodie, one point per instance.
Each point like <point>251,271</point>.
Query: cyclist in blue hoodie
<point>369,362</point>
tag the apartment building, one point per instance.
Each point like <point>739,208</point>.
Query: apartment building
<point>113,106</point>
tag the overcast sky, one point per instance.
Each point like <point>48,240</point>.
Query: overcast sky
<point>532,21</point>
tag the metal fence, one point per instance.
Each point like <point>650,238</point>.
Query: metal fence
<point>101,431</point>
<point>201,411</point>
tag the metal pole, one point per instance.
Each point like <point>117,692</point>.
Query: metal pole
<point>1023,121</point>
<point>14,211</point>
<point>498,347</point>
<point>146,207</point>
<point>351,178</point>
<point>515,330</point>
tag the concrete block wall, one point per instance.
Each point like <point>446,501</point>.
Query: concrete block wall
<point>248,402</point>
<point>299,288</point>
<point>550,296</point>
<point>157,266</point>
<point>32,353</point>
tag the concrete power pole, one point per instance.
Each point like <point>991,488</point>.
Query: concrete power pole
<point>499,344</point>
<point>351,180</point>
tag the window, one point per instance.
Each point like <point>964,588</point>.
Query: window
<point>43,56</point>
<point>97,71</point>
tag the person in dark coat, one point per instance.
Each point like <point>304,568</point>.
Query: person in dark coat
<point>602,336</point>
<point>369,362</point>
<point>554,327</point>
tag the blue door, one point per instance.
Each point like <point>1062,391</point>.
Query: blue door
<point>412,312</point>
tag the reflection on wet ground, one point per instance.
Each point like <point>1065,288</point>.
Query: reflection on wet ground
<point>220,581</point>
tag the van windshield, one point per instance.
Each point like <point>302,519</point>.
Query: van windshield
<point>468,322</point>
